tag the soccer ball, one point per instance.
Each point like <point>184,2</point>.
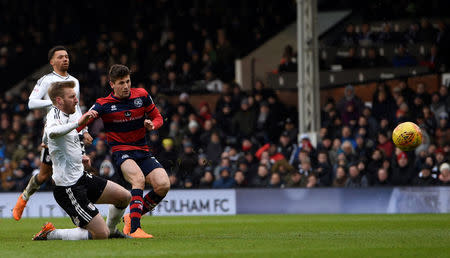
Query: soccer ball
<point>407,136</point>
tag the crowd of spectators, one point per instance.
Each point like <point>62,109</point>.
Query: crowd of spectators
<point>436,56</point>
<point>250,140</point>
<point>170,44</point>
<point>365,48</point>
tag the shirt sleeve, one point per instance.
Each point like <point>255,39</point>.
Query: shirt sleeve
<point>97,107</point>
<point>79,114</point>
<point>153,113</point>
<point>39,91</point>
<point>55,127</point>
<point>156,118</point>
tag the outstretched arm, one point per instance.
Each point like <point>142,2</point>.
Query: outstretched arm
<point>56,129</point>
<point>38,103</point>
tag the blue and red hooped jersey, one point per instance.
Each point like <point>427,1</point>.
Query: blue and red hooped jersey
<point>124,119</point>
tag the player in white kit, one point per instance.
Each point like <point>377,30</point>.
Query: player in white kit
<point>59,60</point>
<point>76,191</point>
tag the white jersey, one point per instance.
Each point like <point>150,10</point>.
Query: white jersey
<point>64,147</point>
<point>39,96</point>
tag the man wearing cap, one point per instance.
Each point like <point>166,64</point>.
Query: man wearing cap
<point>285,145</point>
<point>350,97</point>
<point>184,101</point>
<point>444,176</point>
<point>289,127</point>
<point>168,155</point>
<point>194,133</point>
<point>225,180</point>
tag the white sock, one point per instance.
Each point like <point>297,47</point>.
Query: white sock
<point>68,234</point>
<point>114,216</point>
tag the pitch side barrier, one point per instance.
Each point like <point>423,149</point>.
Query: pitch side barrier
<point>268,201</point>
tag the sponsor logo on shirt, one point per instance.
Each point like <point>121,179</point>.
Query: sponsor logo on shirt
<point>127,119</point>
<point>113,108</point>
<point>127,113</point>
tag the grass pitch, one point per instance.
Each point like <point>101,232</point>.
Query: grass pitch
<point>418,235</point>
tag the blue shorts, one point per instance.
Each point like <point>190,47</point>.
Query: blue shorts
<point>143,159</point>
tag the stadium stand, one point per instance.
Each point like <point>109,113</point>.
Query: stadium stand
<point>243,139</point>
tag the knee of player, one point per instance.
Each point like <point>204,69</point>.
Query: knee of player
<point>163,188</point>
<point>138,182</point>
<point>125,199</point>
<point>101,234</point>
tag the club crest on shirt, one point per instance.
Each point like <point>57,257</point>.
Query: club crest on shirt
<point>127,113</point>
<point>138,102</point>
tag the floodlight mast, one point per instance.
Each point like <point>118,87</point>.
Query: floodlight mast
<point>308,69</point>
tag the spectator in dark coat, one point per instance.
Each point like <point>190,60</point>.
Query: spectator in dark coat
<point>341,177</point>
<point>373,60</point>
<point>382,178</point>
<point>224,120</point>
<point>285,146</point>
<point>402,170</point>
<point>265,125</point>
<point>296,179</point>
<point>243,121</point>
<point>194,132</point>
<point>168,156</point>
<point>262,177</point>
<point>356,180</point>
<point>225,180</point>
<point>288,63</point>
<point>188,161</point>
<point>350,60</point>
<point>199,170</point>
<point>324,171</point>
<point>350,97</point>
<point>425,178</point>
<point>348,37</point>
<point>207,180</point>
<point>214,149</point>
<point>240,179</point>
<point>205,136</point>
<point>275,181</point>
<point>383,106</point>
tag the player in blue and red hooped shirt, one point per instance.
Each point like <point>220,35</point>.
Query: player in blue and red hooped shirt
<point>127,113</point>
